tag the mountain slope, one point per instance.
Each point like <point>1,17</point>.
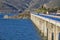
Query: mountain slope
<point>18,3</point>
<point>38,3</point>
<point>21,5</point>
<point>53,4</point>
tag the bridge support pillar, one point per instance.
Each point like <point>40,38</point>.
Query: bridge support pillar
<point>50,31</point>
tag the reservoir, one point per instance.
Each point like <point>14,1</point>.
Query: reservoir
<point>18,29</point>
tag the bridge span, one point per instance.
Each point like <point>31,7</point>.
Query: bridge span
<point>48,26</point>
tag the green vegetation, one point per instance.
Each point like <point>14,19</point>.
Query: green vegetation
<point>42,9</point>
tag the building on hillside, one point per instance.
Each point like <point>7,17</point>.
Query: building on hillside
<point>58,11</point>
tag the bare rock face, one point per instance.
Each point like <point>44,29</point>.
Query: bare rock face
<point>21,5</point>
<point>17,3</point>
<point>14,4</point>
<point>53,4</point>
<point>37,3</point>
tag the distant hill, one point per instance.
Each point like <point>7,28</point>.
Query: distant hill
<point>37,3</point>
<point>17,3</point>
<point>21,5</point>
<point>32,4</point>
<point>26,3</point>
<point>53,4</point>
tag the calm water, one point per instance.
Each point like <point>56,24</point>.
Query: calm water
<point>18,29</point>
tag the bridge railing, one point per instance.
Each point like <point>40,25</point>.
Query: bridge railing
<point>48,25</point>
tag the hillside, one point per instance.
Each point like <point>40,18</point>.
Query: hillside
<point>21,5</point>
<point>37,3</point>
<point>53,4</point>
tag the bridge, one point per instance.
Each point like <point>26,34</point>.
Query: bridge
<point>37,27</point>
<point>48,25</point>
<point>40,26</point>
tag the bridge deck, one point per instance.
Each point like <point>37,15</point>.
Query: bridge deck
<point>18,29</point>
<point>50,17</point>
